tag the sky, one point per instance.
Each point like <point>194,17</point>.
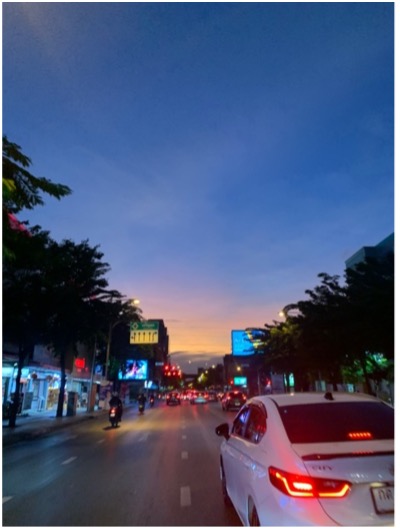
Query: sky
<point>221,155</point>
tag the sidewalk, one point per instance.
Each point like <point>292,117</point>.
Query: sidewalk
<point>34,424</point>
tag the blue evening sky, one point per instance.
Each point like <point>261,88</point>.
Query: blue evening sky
<point>220,154</point>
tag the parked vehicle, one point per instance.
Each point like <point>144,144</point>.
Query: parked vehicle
<point>310,459</point>
<point>233,400</point>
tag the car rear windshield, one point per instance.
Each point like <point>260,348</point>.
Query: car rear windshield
<point>337,421</point>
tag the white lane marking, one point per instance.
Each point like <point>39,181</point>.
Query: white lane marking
<point>68,461</point>
<point>143,438</point>
<point>6,499</point>
<point>185,497</point>
<point>183,427</point>
<point>184,455</point>
<point>101,441</point>
<point>69,437</point>
<point>183,436</point>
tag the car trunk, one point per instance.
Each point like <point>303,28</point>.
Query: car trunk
<point>368,466</point>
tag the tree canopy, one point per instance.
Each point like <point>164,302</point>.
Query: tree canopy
<point>21,190</point>
<point>340,329</point>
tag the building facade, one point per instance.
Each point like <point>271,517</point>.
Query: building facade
<point>377,251</point>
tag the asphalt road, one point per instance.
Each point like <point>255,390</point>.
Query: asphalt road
<point>160,469</point>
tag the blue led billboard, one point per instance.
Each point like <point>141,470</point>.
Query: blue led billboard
<point>242,344</point>
<point>247,342</point>
<point>133,370</point>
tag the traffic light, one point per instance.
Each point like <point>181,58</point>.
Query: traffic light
<point>172,371</point>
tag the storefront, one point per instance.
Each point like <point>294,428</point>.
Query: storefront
<point>41,381</point>
<point>39,387</point>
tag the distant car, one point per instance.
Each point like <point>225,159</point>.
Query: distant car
<point>184,395</point>
<point>199,398</point>
<point>310,459</point>
<point>212,396</point>
<point>233,400</point>
<point>173,399</point>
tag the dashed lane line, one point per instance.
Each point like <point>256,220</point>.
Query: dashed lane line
<point>69,460</point>
<point>185,497</point>
<point>184,437</point>
<point>69,437</point>
<point>7,498</point>
<point>184,455</point>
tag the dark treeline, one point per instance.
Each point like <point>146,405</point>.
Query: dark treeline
<point>341,333</point>
<point>54,293</point>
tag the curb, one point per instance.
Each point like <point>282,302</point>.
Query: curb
<point>12,436</point>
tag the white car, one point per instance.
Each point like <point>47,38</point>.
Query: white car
<point>310,459</point>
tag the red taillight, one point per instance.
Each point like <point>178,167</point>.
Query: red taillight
<point>359,435</point>
<point>307,487</point>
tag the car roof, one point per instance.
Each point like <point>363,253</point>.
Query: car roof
<point>291,399</point>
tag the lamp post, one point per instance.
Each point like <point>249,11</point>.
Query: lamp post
<point>133,302</point>
<point>110,329</point>
<point>90,402</point>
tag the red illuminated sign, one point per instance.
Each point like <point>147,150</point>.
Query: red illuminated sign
<point>80,363</point>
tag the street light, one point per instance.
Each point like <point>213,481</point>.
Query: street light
<point>111,328</point>
<point>290,310</point>
<point>133,302</point>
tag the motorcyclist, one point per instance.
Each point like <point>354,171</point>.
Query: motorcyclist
<point>151,400</point>
<point>116,402</point>
<point>142,400</point>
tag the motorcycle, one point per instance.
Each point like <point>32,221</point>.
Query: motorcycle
<point>114,417</point>
<point>141,409</point>
<point>151,401</point>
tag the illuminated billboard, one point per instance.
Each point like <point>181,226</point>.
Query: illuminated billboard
<point>133,370</point>
<point>247,342</point>
<point>242,344</point>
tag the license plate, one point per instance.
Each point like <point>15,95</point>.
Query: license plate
<point>383,499</point>
<point>112,414</point>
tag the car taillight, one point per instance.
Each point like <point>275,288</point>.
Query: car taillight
<point>359,435</point>
<point>307,487</point>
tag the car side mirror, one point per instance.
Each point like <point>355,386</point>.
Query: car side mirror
<point>223,430</point>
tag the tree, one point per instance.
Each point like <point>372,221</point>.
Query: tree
<point>371,298</point>
<point>24,312</point>
<point>74,277</point>
<point>284,355</point>
<point>323,323</point>
<point>23,252</point>
<point>21,190</point>
<point>371,317</point>
<point>339,329</point>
